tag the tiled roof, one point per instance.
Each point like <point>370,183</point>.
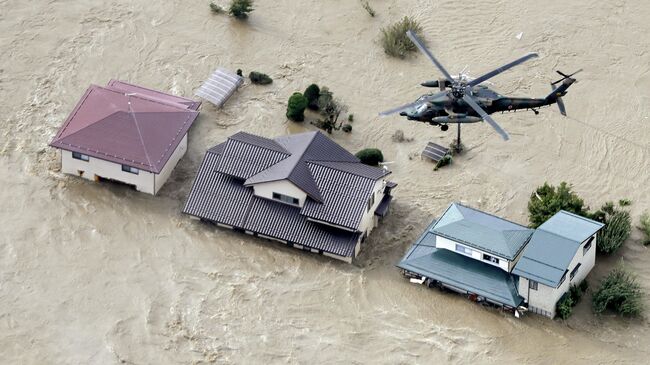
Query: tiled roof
<point>139,128</point>
<point>460,271</point>
<point>552,247</point>
<point>482,231</point>
<point>243,160</point>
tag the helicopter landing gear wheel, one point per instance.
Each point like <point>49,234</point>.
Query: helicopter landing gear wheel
<point>444,127</point>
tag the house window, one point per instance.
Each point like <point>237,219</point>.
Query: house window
<point>464,250</point>
<point>587,245</point>
<point>371,201</point>
<point>491,259</point>
<point>575,271</point>
<point>532,284</point>
<point>562,279</point>
<point>80,156</point>
<point>286,198</point>
<point>130,169</point>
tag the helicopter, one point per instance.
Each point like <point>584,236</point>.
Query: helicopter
<point>466,100</point>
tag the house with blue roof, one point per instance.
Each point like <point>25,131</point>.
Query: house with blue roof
<point>494,260</point>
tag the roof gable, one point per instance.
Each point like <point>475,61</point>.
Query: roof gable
<point>125,128</point>
<point>482,231</point>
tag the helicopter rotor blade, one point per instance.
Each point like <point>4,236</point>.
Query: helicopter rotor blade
<point>560,102</point>
<point>501,69</point>
<point>470,101</point>
<point>564,76</point>
<point>418,43</point>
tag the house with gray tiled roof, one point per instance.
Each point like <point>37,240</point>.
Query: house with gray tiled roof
<point>493,260</point>
<point>303,190</point>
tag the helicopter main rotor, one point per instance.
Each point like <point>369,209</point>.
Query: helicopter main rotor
<point>460,88</point>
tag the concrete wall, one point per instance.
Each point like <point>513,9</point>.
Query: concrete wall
<point>285,187</point>
<point>144,181</point>
<point>545,297</point>
<point>368,220</point>
<point>442,242</point>
<point>160,179</point>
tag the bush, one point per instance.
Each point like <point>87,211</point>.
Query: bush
<point>620,293</point>
<point>399,136</point>
<point>370,156</point>
<point>547,200</point>
<point>296,107</point>
<point>444,161</point>
<point>394,39</point>
<point>351,118</point>
<point>347,128</point>
<point>564,306</point>
<point>259,78</point>
<point>617,229</point>
<point>644,226</point>
<point>216,8</point>
<point>312,93</point>
<point>240,8</point>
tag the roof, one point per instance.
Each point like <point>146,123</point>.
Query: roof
<point>224,199</point>
<point>337,183</point>
<point>127,124</point>
<point>482,231</point>
<point>460,271</point>
<point>553,246</point>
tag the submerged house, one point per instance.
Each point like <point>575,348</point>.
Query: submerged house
<point>503,263</point>
<point>126,133</point>
<point>303,190</point>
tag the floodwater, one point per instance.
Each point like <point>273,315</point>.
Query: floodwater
<point>100,274</point>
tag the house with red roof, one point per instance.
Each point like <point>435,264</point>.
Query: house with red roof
<point>126,133</point>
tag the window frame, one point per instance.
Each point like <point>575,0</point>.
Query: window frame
<point>491,259</point>
<point>587,245</point>
<point>371,201</point>
<point>131,169</point>
<point>533,285</point>
<point>574,271</point>
<point>464,250</point>
<point>80,156</point>
<point>285,199</point>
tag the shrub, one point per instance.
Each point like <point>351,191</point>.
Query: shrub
<point>370,156</point>
<point>325,97</point>
<point>399,136</point>
<point>620,293</point>
<point>240,8</point>
<point>351,118</point>
<point>444,161</point>
<point>564,306</point>
<point>624,202</point>
<point>347,128</point>
<point>296,107</point>
<point>216,8</point>
<point>394,39</point>
<point>259,78</point>
<point>616,231</point>
<point>644,226</point>
<point>547,200</point>
<point>370,10</point>
<point>312,93</point>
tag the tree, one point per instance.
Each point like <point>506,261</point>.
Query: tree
<point>547,200</point>
<point>240,8</point>
<point>296,107</point>
<point>312,93</point>
<point>618,226</point>
<point>259,78</point>
<point>394,39</point>
<point>620,293</point>
<point>370,156</point>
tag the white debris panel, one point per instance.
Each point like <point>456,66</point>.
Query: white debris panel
<point>219,87</point>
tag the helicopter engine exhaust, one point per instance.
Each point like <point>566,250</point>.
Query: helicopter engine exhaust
<point>456,119</point>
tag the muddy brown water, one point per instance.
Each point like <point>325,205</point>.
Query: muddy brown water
<point>100,274</point>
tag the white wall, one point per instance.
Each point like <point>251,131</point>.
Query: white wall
<point>442,242</point>
<point>546,297</point>
<point>286,187</point>
<point>144,181</point>
<point>160,179</point>
<point>368,220</point>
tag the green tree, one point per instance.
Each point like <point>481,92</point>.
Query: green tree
<point>370,156</point>
<point>620,293</point>
<point>260,78</point>
<point>618,226</point>
<point>547,200</point>
<point>394,39</point>
<point>296,107</point>
<point>240,8</point>
<point>312,93</point>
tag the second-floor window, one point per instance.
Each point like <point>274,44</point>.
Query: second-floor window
<point>286,198</point>
<point>532,284</point>
<point>133,170</point>
<point>371,201</point>
<point>464,250</point>
<point>587,245</point>
<point>491,259</point>
<point>575,271</point>
<point>80,156</point>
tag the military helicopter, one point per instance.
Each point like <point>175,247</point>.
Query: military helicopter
<point>465,100</point>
